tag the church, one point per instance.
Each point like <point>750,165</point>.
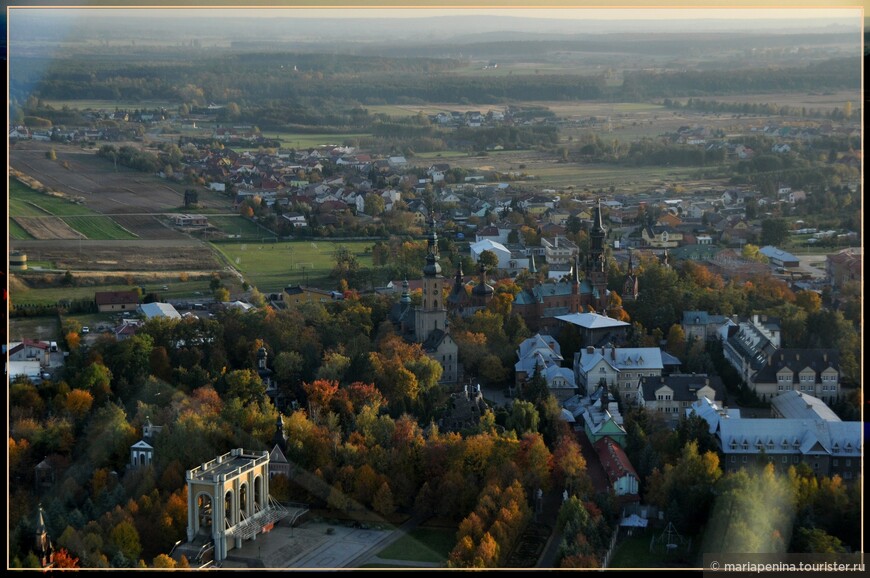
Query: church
<point>427,324</point>
<point>540,305</point>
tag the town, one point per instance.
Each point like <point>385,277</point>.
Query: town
<point>405,331</point>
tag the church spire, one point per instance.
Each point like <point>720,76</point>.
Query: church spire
<point>406,292</point>
<point>42,544</point>
<point>432,267</point>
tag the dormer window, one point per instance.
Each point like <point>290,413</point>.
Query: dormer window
<point>733,445</point>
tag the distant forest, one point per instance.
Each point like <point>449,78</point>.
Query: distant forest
<point>253,79</point>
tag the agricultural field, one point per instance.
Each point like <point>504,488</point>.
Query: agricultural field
<point>273,266</point>
<point>25,202</point>
<point>123,255</point>
<point>101,228</point>
<point>104,188</point>
<point>16,231</point>
<point>47,228</point>
<point>149,227</point>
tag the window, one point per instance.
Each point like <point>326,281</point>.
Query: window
<point>815,465</point>
<point>785,459</point>
<point>836,462</point>
<point>794,459</point>
<point>743,460</point>
<point>733,459</point>
<point>847,475</point>
<point>779,387</point>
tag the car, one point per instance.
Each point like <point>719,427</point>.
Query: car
<point>86,329</point>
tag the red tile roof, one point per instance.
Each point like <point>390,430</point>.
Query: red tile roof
<point>613,459</point>
<point>116,297</point>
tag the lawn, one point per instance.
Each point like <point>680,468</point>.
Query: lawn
<point>239,226</point>
<point>273,266</point>
<point>634,552</point>
<point>25,202</point>
<point>46,328</point>
<point>422,545</point>
<point>99,228</point>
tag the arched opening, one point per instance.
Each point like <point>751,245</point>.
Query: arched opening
<point>243,499</point>
<point>258,491</point>
<point>204,512</point>
<point>228,508</point>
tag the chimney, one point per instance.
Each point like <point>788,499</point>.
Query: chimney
<point>590,350</point>
<point>825,357</point>
<point>613,352</point>
<point>797,356</point>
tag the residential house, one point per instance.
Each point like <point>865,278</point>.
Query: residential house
<point>621,475</point>
<point>560,250</point>
<point>749,344</point>
<point>538,353</point>
<point>30,350</point>
<point>673,394</point>
<point>295,219</point>
<point>661,236</point>
<point>108,301</point>
<point>619,369</point>
<point>601,417</point>
<point>297,294</point>
<point>701,325</point>
<point>812,371</point>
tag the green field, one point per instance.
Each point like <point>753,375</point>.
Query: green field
<point>422,545</point>
<point>177,290</point>
<point>109,104</point>
<point>273,266</point>
<point>239,226</point>
<point>600,176</point>
<point>99,228</point>
<point>305,141</point>
<point>25,202</point>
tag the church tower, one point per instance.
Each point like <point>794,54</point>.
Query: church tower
<point>596,270</point>
<point>432,314</point>
<point>630,288</point>
<point>42,544</point>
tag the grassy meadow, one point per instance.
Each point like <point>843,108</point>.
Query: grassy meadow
<point>273,266</point>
